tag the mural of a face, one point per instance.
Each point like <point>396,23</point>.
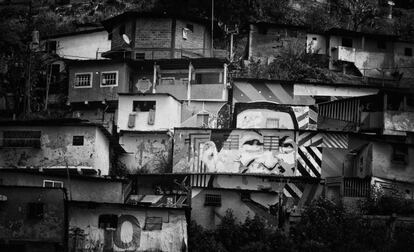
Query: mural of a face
<point>259,118</point>
<point>251,152</point>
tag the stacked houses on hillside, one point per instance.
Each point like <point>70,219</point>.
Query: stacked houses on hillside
<point>160,133</point>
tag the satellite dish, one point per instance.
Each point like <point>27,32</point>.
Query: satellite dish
<point>126,39</point>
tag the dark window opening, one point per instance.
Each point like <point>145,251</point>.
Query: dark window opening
<point>212,200</point>
<point>207,78</point>
<point>139,56</point>
<point>153,223</point>
<point>347,42</point>
<point>381,44</point>
<point>395,102</point>
<point>143,106</point>
<point>108,221</point>
<point>245,196</point>
<point>51,46</point>
<point>202,119</point>
<point>35,210</point>
<point>21,139</point>
<point>52,183</point>
<point>408,52</point>
<point>400,153</point>
<point>122,30</point>
<point>190,27</point>
<point>109,35</point>
<point>77,141</point>
<point>55,72</point>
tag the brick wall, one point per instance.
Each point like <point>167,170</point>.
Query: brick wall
<point>195,39</point>
<point>153,32</point>
<point>271,40</point>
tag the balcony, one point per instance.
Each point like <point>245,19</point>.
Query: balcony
<point>343,53</point>
<point>156,53</point>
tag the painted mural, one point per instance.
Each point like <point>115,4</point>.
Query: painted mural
<point>270,115</point>
<point>129,231</point>
<point>276,152</point>
<point>278,93</point>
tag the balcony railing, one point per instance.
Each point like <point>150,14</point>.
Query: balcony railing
<point>356,187</point>
<point>168,53</point>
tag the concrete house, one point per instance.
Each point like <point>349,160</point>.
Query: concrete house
<point>148,36</point>
<point>54,144</point>
<point>33,219</point>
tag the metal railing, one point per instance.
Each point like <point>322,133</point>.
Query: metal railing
<point>356,187</point>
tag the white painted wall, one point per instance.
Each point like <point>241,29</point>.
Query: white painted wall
<point>83,46</point>
<point>101,155</point>
<point>167,113</point>
<point>320,90</point>
<point>317,45</point>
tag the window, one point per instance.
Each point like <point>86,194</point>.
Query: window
<point>190,27</point>
<point>143,106</point>
<point>83,80</point>
<point>51,46</point>
<point>109,79</point>
<point>271,143</point>
<point>262,29</point>
<point>77,141</point>
<point>109,35</point>
<point>35,210</point>
<point>232,142</point>
<point>52,183</point>
<point>347,42</point>
<point>202,119</point>
<point>212,200</point>
<point>153,223</point>
<point>272,123</point>
<point>139,56</point>
<point>408,51</point>
<point>108,221</point>
<point>207,78</point>
<point>21,139</point>
<point>381,44</point>
<point>167,81</point>
<point>400,153</point>
<point>245,196</point>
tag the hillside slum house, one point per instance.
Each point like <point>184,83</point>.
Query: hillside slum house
<point>159,132</point>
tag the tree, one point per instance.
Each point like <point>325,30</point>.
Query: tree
<point>358,11</point>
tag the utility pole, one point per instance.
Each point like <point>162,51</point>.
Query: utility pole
<point>232,31</point>
<point>212,28</point>
<point>27,107</point>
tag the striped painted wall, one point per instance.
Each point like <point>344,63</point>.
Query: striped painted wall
<point>271,92</point>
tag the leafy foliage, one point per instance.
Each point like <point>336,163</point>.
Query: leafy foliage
<point>324,226</point>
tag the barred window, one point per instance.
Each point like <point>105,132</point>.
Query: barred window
<point>232,142</point>
<point>272,123</point>
<point>270,143</point>
<point>212,200</point>
<point>21,139</point>
<point>83,80</point>
<point>109,79</point>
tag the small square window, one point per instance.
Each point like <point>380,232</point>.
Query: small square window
<point>143,106</point>
<point>35,210</point>
<point>77,141</point>
<point>167,81</point>
<point>139,56</point>
<point>347,42</point>
<point>190,27</point>
<point>400,154</point>
<point>153,223</point>
<point>408,51</point>
<point>212,200</point>
<point>272,123</point>
<point>108,221</point>
<point>109,79</point>
<point>83,80</point>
